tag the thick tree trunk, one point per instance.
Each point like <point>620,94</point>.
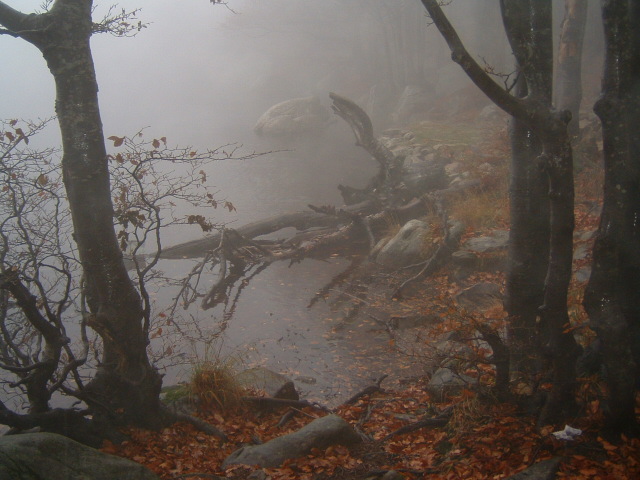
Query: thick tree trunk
<point>555,329</point>
<point>528,251</point>
<point>528,24</point>
<point>530,40</point>
<point>612,297</point>
<point>125,382</point>
<point>569,78</point>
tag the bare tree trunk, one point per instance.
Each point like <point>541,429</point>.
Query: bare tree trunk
<point>569,78</point>
<point>528,250</point>
<point>125,382</point>
<point>528,200</point>
<point>555,328</point>
<point>528,26</point>
<point>612,297</point>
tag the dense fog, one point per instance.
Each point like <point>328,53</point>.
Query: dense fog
<point>203,75</point>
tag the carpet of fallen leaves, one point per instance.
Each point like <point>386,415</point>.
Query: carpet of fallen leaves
<point>483,439</point>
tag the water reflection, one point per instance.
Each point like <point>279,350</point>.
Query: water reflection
<point>284,321</point>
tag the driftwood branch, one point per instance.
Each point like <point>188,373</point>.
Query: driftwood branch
<point>283,402</point>
<point>201,425</point>
<point>324,229</point>
<point>439,421</point>
<point>362,128</point>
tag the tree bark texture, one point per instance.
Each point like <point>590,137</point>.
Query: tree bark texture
<point>528,248</point>
<point>555,327</point>
<point>612,297</point>
<point>569,78</point>
<point>528,32</point>
<point>125,380</point>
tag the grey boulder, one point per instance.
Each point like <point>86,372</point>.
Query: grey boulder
<point>48,456</point>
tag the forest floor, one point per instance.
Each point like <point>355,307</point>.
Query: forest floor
<point>483,438</point>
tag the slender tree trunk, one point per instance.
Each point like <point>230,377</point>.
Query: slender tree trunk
<point>612,297</point>
<point>528,27</point>
<point>125,382</point>
<point>555,329</point>
<point>528,196</point>
<point>569,78</point>
<point>528,250</point>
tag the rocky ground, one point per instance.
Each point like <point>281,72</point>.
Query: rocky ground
<point>433,416</point>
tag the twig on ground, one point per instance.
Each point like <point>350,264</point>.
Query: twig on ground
<point>439,421</point>
<point>284,402</point>
<point>366,391</point>
<point>202,426</point>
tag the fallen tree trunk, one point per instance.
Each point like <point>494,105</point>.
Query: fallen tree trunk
<point>320,433</point>
<point>387,200</point>
<point>298,220</point>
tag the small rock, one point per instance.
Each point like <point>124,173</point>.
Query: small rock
<point>445,382</point>
<point>583,274</point>
<point>581,252</point>
<point>429,157</point>
<point>586,235</point>
<point>392,475</point>
<point>486,169</point>
<point>306,380</point>
<point>275,384</point>
<point>453,168</point>
<point>257,475</point>
<point>498,240</point>
<point>294,117</point>
<point>464,258</point>
<point>48,456</point>
<point>480,297</point>
<point>406,247</point>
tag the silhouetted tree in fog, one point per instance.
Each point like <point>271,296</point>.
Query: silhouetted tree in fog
<point>569,78</point>
<point>612,297</point>
<point>550,127</point>
<point>529,203</point>
<point>126,387</point>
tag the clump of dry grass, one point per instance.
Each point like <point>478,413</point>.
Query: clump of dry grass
<point>484,209</point>
<point>214,384</point>
<point>466,412</point>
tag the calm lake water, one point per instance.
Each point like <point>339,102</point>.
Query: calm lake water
<point>273,324</point>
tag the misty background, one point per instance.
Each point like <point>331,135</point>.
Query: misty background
<point>202,75</point>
